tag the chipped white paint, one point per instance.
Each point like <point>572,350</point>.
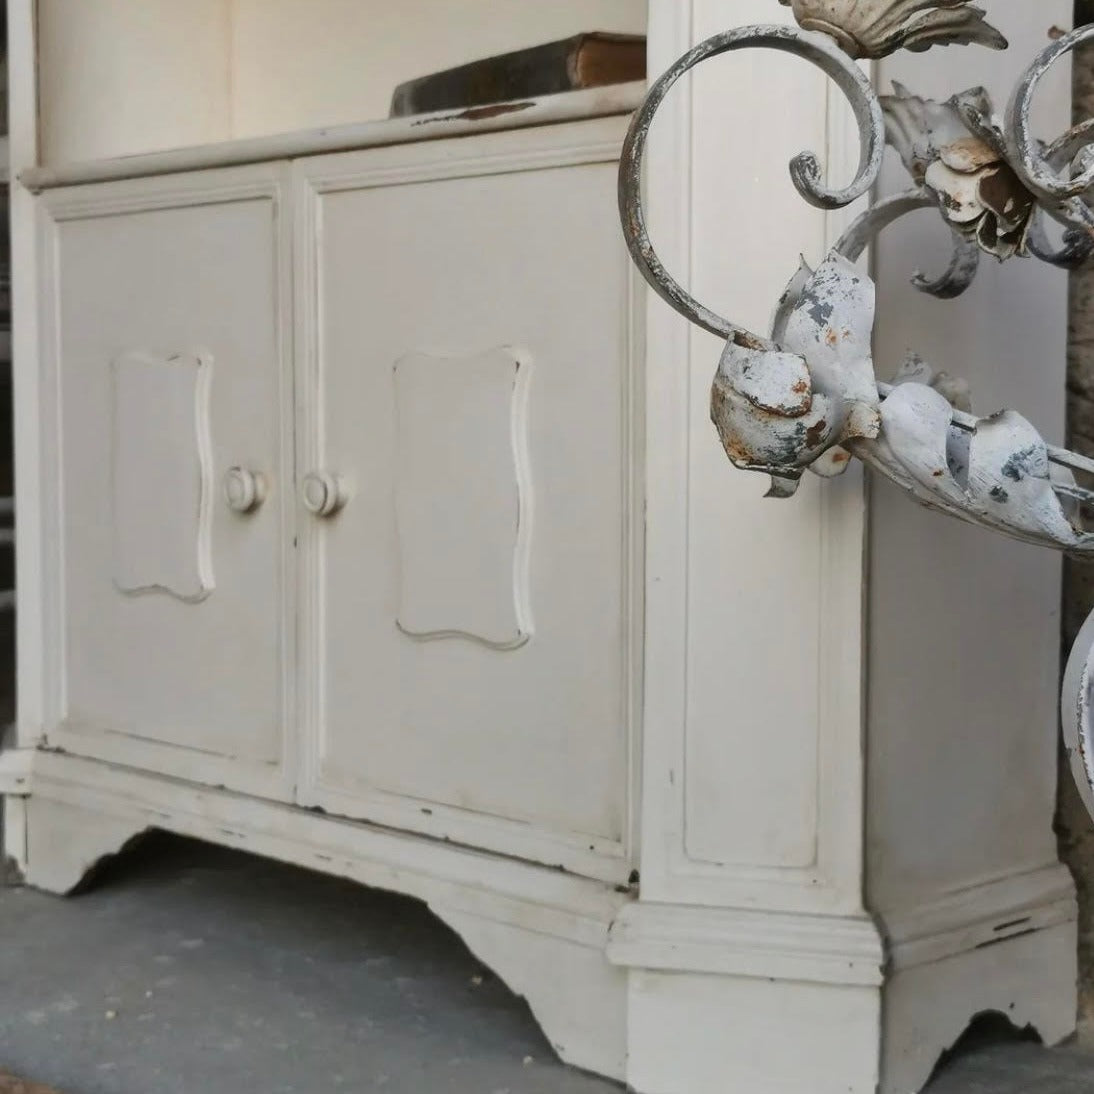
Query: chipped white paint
<point>809,396</point>
<point>781,410</point>
<point>992,471</point>
<point>442,434</point>
<point>15,768</point>
<point>956,149</point>
<point>196,687</point>
<point>686,745</point>
<point>1077,712</point>
<point>874,28</point>
<point>574,106</point>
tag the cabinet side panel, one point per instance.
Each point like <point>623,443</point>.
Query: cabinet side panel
<point>752,788</point>
<point>964,625</point>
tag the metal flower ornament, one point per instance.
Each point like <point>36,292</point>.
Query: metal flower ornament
<point>875,28</point>
<point>808,397</point>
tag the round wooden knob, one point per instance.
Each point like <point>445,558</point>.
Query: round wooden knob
<point>324,493</point>
<point>244,491</point>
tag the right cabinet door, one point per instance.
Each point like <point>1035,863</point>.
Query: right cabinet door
<point>471,516</point>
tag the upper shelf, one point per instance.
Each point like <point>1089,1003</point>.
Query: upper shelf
<point>570,106</point>
<point>135,77</point>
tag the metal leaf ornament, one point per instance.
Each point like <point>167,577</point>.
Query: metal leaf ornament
<point>876,28</point>
<point>994,471</point>
<point>808,397</point>
<point>780,408</point>
<point>810,400</point>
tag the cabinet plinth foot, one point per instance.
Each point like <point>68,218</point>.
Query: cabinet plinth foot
<point>66,843</point>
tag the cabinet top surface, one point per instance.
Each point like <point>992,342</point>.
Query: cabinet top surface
<point>547,109</point>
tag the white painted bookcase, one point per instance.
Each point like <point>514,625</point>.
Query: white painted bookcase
<point>369,518</point>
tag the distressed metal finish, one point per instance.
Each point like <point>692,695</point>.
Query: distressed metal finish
<point>1061,176</point>
<point>876,28</point>
<point>994,471</point>
<point>807,398</point>
<point>780,409</point>
<point>1077,712</point>
<point>956,151</point>
<point>964,263</point>
<point>804,168</point>
<point>812,400</point>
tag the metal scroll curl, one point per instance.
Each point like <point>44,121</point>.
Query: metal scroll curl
<point>1061,175</point>
<point>805,171</point>
<point>964,263</point>
<point>807,397</point>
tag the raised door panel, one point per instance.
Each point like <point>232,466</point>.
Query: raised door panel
<point>472,386</point>
<point>173,404</point>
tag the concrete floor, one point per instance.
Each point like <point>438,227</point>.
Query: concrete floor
<point>188,969</point>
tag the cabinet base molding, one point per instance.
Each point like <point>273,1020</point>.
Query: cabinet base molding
<point>622,987</point>
<point>843,950</point>
<point>1006,948</point>
<point>543,931</point>
<point>1028,979</point>
<point>728,990</point>
<point>579,999</point>
<point>867,1007</point>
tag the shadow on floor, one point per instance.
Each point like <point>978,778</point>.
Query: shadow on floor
<point>185,968</point>
<point>190,969</point>
<point>1017,1069</point>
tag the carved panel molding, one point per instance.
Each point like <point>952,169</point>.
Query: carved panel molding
<point>161,475</point>
<point>462,497</point>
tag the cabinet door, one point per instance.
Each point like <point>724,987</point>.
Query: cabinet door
<point>466,415</point>
<point>168,472</point>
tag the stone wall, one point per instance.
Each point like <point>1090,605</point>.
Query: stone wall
<point>1075,828</point>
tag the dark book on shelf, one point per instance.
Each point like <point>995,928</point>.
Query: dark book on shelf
<point>595,59</point>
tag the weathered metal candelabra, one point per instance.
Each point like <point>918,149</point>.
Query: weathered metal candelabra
<point>808,398</point>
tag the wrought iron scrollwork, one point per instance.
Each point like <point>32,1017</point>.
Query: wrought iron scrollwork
<point>804,168</point>
<point>807,397</point>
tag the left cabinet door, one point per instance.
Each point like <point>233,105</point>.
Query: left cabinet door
<point>167,475</point>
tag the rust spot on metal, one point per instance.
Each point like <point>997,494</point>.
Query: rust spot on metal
<point>815,433</point>
<point>479,113</point>
<point>831,337</point>
<point>840,457</point>
<point>949,201</point>
<point>748,341</point>
<point>800,387</point>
